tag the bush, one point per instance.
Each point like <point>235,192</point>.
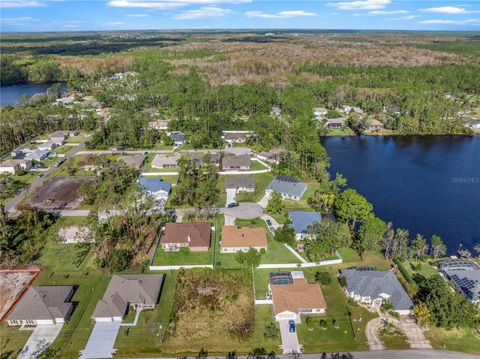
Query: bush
<point>271,331</point>
<point>184,250</point>
<point>323,324</point>
<point>323,278</point>
<point>310,322</point>
<point>342,281</point>
<point>403,270</point>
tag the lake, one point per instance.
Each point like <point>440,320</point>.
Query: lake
<point>10,95</point>
<point>428,185</point>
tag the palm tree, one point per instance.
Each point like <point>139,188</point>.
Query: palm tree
<point>477,248</point>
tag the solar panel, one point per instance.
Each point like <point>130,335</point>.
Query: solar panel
<point>285,178</point>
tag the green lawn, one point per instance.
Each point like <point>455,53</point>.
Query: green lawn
<point>163,258</point>
<point>454,340</point>
<point>62,149</point>
<point>12,340</point>
<point>257,166</point>
<point>394,340</point>
<point>344,131</point>
<point>349,255</point>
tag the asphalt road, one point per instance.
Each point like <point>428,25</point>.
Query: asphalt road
<point>10,205</point>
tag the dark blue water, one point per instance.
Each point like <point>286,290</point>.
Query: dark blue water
<point>428,185</point>
<point>12,94</point>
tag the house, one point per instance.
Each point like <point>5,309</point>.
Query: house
<point>49,145</point>
<point>37,155</point>
<point>164,161</point>
<point>178,138</point>
<point>335,122</point>
<point>12,166</point>
<point>139,291</point>
<point>151,111</point>
<point>231,137</point>
<point>320,112</point>
<point>293,296</point>
<point>275,155</point>
<point>372,287</point>
<point>240,184</point>
<point>276,111</point>
<point>464,275</point>
<point>236,239</point>
<point>236,163</point>
<point>374,125</point>
<point>156,187</point>
<point>45,304</point>
<point>59,137</point>
<point>193,235</point>
<point>288,187</point>
<point>75,234</point>
<point>158,125</point>
<point>471,122</point>
<point>300,221</point>
<point>135,162</point>
<point>16,153</point>
<point>198,158</point>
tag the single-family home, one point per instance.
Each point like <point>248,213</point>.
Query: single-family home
<point>335,122</point>
<point>300,221</point>
<point>231,137</point>
<point>151,111</point>
<point>464,275</point>
<point>178,138</point>
<point>139,291</point>
<point>236,239</point>
<point>135,162</point>
<point>156,187</point>
<point>16,153</point>
<point>158,125</point>
<point>45,304</point>
<point>276,111</point>
<point>236,163</point>
<point>198,158</point>
<point>293,296</point>
<point>49,145</point>
<point>374,125</point>
<point>59,137</point>
<point>288,187</point>
<point>37,155</point>
<point>372,287</point>
<point>75,234</point>
<point>471,122</point>
<point>12,166</point>
<point>239,184</point>
<point>193,235</point>
<point>275,155</point>
<point>165,161</point>
<point>320,112</point>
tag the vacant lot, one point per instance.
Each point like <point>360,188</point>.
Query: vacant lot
<point>11,285</point>
<point>60,193</point>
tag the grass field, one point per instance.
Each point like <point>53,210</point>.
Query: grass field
<point>12,340</point>
<point>163,258</point>
<point>394,340</point>
<point>454,340</point>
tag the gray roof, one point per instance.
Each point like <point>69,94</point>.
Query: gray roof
<point>154,184</point>
<point>37,155</point>
<point>464,274</point>
<point>240,181</point>
<point>373,283</point>
<point>59,134</point>
<point>301,220</point>
<point>177,136</point>
<point>197,157</point>
<point>125,289</point>
<point>236,161</point>
<point>43,303</point>
<point>233,136</point>
<point>290,188</point>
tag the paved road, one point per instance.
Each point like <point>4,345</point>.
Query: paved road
<point>10,205</point>
<point>245,210</point>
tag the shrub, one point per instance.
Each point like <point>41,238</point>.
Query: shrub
<point>403,270</point>
<point>342,281</point>
<point>310,322</point>
<point>184,250</point>
<point>323,324</point>
<point>323,277</point>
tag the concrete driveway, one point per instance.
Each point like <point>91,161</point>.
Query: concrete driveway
<point>290,342</point>
<point>264,201</point>
<point>42,336</point>
<point>231,193</point>
<point>101,341</point>
<point>245,210</point>
<point>371,330</point>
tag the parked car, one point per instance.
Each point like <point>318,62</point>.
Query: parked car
<point>40,175</point>
<point>271,229</point>
<point>291,326</point>
<point>59,163</point>
<point>269,222</point>
<point>233,204</point>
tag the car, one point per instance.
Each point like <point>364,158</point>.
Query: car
<point>40,175</point>
<point>271,229</point>
<point>58,163</point>
<point>233,204</point>
<point>269,222</point>
<point>291,326</point>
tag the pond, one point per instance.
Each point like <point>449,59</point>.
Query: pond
<point>428,185</point>
<point>12,94</point>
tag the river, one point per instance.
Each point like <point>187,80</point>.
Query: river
<point>12,94</point>
<point>428,185</point>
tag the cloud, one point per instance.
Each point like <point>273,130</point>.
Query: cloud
<point>409,17</point>
<point>452,10</point>
<point>168,4</point>
<point>114,23</point>
<point>138,15</point>
<point>279,15</point>
<point>387,12</point>
<point>361,5</point>
<point>209,11</point>
<point>20,4</point>
<point>17,20</point>
<point>452,22</point>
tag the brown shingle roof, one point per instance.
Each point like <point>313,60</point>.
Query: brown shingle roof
<point>233,236</point>
<point>293,297</point>
<point>198,232</point>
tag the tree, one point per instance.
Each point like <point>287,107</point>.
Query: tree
<point>437,248</point>
<point>419,247</point>
<point>323,277</point>
<point>286,235</point>
<point>325,240</point>
<point>422,314</point>
<point>251,258</point>
<point>477,248</point>
<point>271,331</point>
<point>275,204</point>
<point>369,235</point>
<point>352,207</point>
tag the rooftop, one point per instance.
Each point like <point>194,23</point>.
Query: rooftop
<point>301,220</point>
<point>239,182</point>
<point>196,234</point>
<point>159,161</point>
<point>293,297</point>
<point>286,186</point>
<point>236,161</point>
<point>233,236</point>
<point>154,184</point>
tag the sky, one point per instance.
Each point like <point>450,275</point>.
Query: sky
<point>82,15</point>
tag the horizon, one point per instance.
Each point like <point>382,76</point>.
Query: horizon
<point>24,16</point>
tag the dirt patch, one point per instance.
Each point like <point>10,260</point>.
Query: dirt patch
<point>60,193</point>
<point>12,284</point>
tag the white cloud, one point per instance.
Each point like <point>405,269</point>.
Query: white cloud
<point>20,4</point>
<point>279,15</point>
<point>114,23</point>
<point>409,17</point>
<point>452,10</point>
<point>17,20</point>
<point>387,12</point>
<point>209,11</point>
<point>138,15</point>
<point>168,4</point>
<point>361,4</point>
<point>452,22</point>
